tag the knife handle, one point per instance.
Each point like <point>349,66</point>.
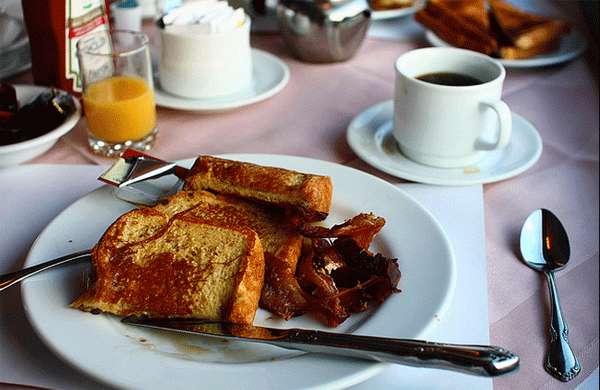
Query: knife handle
<point>482,360</point>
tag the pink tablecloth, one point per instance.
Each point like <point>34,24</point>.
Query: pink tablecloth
<point>309,118</point>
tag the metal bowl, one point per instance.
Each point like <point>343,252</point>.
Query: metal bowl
<point>323,31</point>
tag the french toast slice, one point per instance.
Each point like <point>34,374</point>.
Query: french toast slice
<point>461,23</point>
<point>473,10</point>
<point>279,241</point>
<point>516,53</point>
<point>527,31</point>
<point>309,195</point>
<point>278,238</point>
<point>380,5</point>
<point>189,268</point>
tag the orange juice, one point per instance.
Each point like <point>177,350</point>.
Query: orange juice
<point>120,108</point>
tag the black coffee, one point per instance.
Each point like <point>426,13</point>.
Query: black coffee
<point>451,79</point>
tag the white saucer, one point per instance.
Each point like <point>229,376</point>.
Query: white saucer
<point>370,137</point>
<point>571,46</point>
<point>270,75</point>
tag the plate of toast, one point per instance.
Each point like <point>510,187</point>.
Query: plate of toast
<point>269,240</point>
<point>392,9</point>
<point>518,38</point>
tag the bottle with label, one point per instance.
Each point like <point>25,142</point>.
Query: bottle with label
<point>54,28</point>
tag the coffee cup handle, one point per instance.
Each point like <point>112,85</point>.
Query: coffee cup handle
<point>505,122</point>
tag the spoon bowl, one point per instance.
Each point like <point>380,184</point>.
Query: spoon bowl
<point>544,242</point>
<point>545,248</point>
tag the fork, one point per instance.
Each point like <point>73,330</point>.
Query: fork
<point>12,278</point>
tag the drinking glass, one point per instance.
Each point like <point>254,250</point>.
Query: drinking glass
<point>118,92</point>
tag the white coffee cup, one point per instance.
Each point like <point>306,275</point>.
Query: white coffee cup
<point>449,126</point>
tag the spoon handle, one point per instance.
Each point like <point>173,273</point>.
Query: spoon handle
<point>561,362</point>
<point>8,280</point>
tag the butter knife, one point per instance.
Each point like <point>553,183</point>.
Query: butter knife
<point>481,360</point>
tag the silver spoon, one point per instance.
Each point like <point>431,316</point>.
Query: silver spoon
<point>545,248</point>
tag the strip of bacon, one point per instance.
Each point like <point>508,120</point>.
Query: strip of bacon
<point>361,228</point>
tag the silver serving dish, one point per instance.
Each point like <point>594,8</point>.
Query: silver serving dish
<point>323,30</point>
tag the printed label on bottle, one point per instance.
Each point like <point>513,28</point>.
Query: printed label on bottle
<point>82,17</point>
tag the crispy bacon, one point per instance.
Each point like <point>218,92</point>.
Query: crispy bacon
<point>334,278</point>
<point>318,284</point>
<point>363,262</point>
<point>316,281</point>
<point>281,293</point>
<point>342,277</point>
<point>361,228</point>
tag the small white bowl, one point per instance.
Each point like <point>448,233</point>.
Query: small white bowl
<point>205,65</point>
<point>14,154</point>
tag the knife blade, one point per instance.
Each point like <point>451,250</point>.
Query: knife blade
<point>481,360</point>
<point>143,179</point>
<point>134,166</point>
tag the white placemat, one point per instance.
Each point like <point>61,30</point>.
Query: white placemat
<point>32,195</point>
<point>460,212</point>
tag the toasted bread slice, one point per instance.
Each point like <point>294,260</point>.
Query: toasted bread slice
<point>526,30</point>
<point>308,194</point>
<point>278,239</point>
<point>513,20</point>
<point>515,53</point>
<point>190,268</point>
<point>462,24</point>
<point>380,5</point>
<point>277,236</point>
<point>281,243</point>
<point>543,35</point>
<point>473,10</point>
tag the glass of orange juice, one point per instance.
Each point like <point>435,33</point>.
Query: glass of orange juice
<point>118,92</point>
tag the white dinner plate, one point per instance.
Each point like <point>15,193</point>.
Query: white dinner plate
<point>370,137</point>
<point>397,12</point>
<point>270,75</point>
<point>132,357</point>
<point>571,46</point>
